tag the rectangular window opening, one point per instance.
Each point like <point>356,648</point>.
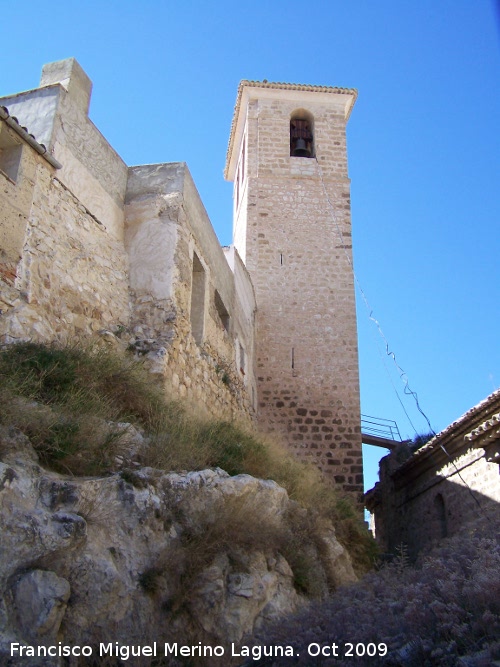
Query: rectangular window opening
<point>242,359</point>
<point>197,300</point>
<point>10,156</point>
<point>221,310</point>
<point>243,161</point>
<point>237,191</point>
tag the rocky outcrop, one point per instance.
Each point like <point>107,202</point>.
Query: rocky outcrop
<point>142,556</point>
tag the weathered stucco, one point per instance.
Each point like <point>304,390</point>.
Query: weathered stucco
<point>167,228</point>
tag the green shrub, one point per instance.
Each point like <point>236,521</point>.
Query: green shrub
<point>420,439</point>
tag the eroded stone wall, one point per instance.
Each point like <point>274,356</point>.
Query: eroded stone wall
<point>166,221</point>
<point>72,277</point>
<point>68,271</point>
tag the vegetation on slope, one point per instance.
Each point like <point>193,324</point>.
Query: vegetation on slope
<point>442,612</point>
<point>70,402</point>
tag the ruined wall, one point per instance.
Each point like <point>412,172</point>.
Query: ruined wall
<point>430,496</point>
<point>307,364</point>
<point>66,276</point>
<point>193,333</point>
<point>68,273</point>
<point>57,114</point>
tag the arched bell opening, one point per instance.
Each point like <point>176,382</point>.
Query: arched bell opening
<point>301,134</point>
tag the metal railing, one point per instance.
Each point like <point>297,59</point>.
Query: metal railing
<point>386,429</point>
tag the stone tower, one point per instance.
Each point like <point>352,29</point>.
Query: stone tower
<point>287,158</point>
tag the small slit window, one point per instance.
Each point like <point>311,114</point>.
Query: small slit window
<point>242,359</point>
<point>240,175</point>
<point>237,190</point>
<point>440,513</point>
<point>243,162</point>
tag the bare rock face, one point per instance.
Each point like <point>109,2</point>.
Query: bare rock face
<point>40,599</point>
<point>141,556</point>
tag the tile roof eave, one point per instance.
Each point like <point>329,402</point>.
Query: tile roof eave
<point>446,435</point>
<point>13,123</point>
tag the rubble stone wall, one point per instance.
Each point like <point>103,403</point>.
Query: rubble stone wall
<point>430,495</point>
<point>70,278</point>
<point>168,234</point>
<point>67,271</point>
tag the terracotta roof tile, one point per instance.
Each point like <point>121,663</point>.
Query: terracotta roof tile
<point>467,420</point>
<point>23,132</point>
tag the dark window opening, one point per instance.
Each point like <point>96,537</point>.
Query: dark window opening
<point>301,138</point>
<point>237,190</point>
<point>440,509</point>
<point>10,156</point>
<point>198,300</point>
<point>240,176</point>
<point>242,359</point>
<point>221,310</point>
<point>243,162</point>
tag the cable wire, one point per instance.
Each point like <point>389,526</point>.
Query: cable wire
<point>402,374</point>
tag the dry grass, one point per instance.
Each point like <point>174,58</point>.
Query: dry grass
<point>235,526</point>
<point>434,613</point>
<point>226,535</point>
<point>67,400</point>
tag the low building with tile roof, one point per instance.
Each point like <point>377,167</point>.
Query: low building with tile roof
<point>431,493</point>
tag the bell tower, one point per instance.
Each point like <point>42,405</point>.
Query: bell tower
<point>287,159</point>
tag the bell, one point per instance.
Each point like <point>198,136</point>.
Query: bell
<point>301,149</point>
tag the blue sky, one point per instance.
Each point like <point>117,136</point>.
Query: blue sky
<point>423,143</point>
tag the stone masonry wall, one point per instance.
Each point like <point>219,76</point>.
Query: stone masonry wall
<point>437,504</point>
<point>164,211</point>
<point>430,496</point>
<point>71,280</point>
<point>68,271</point>
<point>298,253</point>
